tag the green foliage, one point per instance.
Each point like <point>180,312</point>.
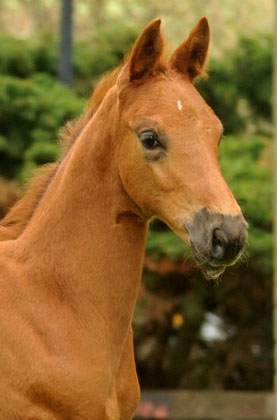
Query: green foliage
<point>92,58</point>
<point>246,167</point>
<point>34,106</point>
<point>23,58</point>
<point>253,72</point>
<point>15,57</point>
<point>32,112</point>
<point>165,243</point>
<point>103,52</point>
<point>222,94</point>
<point>243,78</point>
<point>242,75</point>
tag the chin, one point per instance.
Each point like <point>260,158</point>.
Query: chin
<point>211,272</point>
<point>210,269</point>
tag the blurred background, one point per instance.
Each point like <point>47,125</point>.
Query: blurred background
<point>189,333</point>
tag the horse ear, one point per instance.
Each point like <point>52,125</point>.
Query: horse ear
<point>146,52</point>
<point>189,59</point>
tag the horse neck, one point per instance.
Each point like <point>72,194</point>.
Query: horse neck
<point>85,242</point>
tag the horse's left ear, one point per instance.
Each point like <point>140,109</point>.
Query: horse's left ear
<point>189,59</point>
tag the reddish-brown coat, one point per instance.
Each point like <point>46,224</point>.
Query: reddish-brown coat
<point>71,269</point>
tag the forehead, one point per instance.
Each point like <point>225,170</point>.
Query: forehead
<point>173,102</point>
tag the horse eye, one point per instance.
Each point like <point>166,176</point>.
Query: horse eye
<point>150,140</point>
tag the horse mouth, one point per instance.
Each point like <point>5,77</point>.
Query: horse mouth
<point>217,240</point>
<point>210,269</point>
<point>212,272</point>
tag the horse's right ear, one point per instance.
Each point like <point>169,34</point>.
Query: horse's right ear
<point>146,52</point>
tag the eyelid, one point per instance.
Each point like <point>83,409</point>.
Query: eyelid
<point>148,130</point>
<point>150,125</point>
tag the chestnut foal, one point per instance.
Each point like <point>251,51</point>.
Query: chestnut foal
<point>72,252</point>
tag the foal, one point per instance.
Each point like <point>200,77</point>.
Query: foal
<point>70,267</point>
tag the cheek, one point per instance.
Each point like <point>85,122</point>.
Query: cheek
<point>135,173</point>
<point>146,183</point>
<point>167,178</point>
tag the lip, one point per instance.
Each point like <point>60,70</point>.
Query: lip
<point>212,272</point>
<point>210,269</point>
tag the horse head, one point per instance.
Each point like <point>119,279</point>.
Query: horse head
<point>168,152</point>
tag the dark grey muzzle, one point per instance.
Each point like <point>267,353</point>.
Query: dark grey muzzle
<point>217,239</point>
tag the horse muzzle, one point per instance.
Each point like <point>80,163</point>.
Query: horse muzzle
<point>217,240</point>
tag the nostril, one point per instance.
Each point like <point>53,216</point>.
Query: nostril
<point>219,243</point>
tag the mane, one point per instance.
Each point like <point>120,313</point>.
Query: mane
<point>15,221</point>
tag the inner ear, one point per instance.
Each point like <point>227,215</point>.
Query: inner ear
<point>190,58</point>
<point>147,52</point>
